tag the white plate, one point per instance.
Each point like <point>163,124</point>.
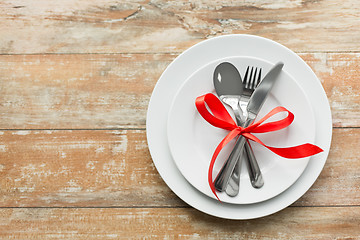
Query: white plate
<point>192,140</point>
<point>194,58</point>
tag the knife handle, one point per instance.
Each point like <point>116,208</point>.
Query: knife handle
<point>253,167</point>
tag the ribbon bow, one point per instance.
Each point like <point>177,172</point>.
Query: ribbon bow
<point>219,117</point>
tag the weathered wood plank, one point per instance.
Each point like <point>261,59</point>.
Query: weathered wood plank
<point>108,26</point>
<point>111,91</point>
<point>77,91</point>
<point>179,223</point>
<point>114,168</point>
<point>339,74</point>
<point>339,180</point>
<point>79,168</point>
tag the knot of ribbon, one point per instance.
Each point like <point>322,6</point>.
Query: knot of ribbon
<point>219,117</point>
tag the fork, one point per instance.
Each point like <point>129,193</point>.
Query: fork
<point>252,79</point>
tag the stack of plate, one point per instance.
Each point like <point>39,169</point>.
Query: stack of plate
<point>181,143</point>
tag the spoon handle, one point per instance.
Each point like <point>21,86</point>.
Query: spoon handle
<point>223,178</point>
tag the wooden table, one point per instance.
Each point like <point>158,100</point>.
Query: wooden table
<point>75,81</point>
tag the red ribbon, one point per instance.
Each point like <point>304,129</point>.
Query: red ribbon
<point>219,117</point>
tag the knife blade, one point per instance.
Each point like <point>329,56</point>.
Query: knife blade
<point>261,92</point>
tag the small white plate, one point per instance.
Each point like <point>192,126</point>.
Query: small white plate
<point>190,61</point>
<point>192,140</point>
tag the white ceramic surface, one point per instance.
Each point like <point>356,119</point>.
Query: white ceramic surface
<point>193,59</point>
<point>192,140</point>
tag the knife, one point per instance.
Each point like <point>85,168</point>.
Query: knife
<point>256,101</point>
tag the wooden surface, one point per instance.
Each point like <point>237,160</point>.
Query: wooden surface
<point>74,160</point>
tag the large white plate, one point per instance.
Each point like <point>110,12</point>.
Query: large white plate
<point>192,140</point>
<point>194,58</point>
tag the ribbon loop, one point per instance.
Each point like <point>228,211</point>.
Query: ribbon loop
<point>219,117</point>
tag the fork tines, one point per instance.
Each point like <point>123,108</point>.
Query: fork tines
<point>253,78</point>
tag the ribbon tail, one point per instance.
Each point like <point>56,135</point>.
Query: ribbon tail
<point>300,151</point>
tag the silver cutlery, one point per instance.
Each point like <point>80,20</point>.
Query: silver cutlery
<point>254,105</point>
<point>229,87</point>
<point>252,78</point>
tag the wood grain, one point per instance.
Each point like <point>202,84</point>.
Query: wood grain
<point>177,223</point>
<point>339,74</point>
<point>108,26</point>
<point>79,168</point>
<point>77,91</point>
<point>103,168</point>
<point>75,82</point>
<point>113,90</point>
